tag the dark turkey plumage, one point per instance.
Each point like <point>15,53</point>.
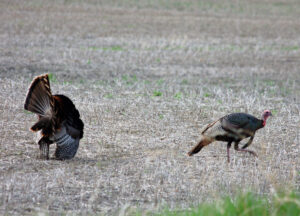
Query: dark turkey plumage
<point>59,120</point>
<point>232,128</point>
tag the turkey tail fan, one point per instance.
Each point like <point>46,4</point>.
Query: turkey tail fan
<point>39,98</point>
<point>199,146</point>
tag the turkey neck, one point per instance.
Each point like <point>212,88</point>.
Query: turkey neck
<point>264,120</point>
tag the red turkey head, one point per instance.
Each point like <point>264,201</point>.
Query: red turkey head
<point>266,115</point>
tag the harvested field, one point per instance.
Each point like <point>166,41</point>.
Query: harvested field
<point>147,76</point>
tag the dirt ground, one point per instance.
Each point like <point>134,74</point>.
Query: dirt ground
<point>147,76</point>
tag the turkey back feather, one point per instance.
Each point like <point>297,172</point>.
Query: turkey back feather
<point>241,123</point>
<point>209,126</point>
<point>71,131</point>
<point>70,115</point>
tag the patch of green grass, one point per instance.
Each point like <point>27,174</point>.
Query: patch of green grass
<point>108,96</point>
<point>168,47</point>
<point>161,116</point>
<point>285,91</point>
<point>282,48</point>
<point>233,47</point>
<point>113,48</point>
<point>270,82</point>
<point>287,204</point>
<point>178,95</point>
<point>157,93</point>
<point>124,77</point>
<point>117,48</point>
<point>207,94</point>
<point>99,164</point>
<point>247,204</point>
<point>274,112</point>
<point>134,78</point>
<point>184,82</point>
<point>94,48</point>
<point>52,77</point>
<point>267,48</point>
<point>27,112</point>
<point>67,82</point>
<point>110,48</point>
<point>129,80</point>
<point>290,48</point>
<point>101,82</point>
<point>160,82</point>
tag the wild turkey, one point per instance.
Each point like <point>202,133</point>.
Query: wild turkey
<point>58,119</point>
<point>232,128</point>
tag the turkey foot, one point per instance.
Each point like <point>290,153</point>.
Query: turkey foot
<point>244,150</point>
<point>251,152</point>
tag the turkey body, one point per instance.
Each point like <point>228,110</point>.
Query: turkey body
<point>232,128</point>
<point>58,119</point>
<point>69,128</point>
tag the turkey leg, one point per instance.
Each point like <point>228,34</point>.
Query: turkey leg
<point>44,143</point>
<point>236,147</point>
<point>228,147</point>
<point>248,143</point>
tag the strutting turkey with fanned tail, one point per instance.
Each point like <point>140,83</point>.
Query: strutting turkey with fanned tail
<point>232,128</point>
<point>58,119</point>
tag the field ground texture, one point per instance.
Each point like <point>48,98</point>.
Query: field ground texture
<point>147,76</point>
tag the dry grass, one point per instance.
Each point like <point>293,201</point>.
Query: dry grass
<point>111,59</point>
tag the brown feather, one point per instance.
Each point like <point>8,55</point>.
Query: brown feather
<point>39,98</point>
<point>204,142</point>
<point>209,126</point>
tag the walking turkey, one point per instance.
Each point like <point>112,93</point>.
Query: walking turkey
<point>232,128</point>
<point>58,119</point>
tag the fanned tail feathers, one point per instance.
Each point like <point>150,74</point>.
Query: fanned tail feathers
<point>39,98</point>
